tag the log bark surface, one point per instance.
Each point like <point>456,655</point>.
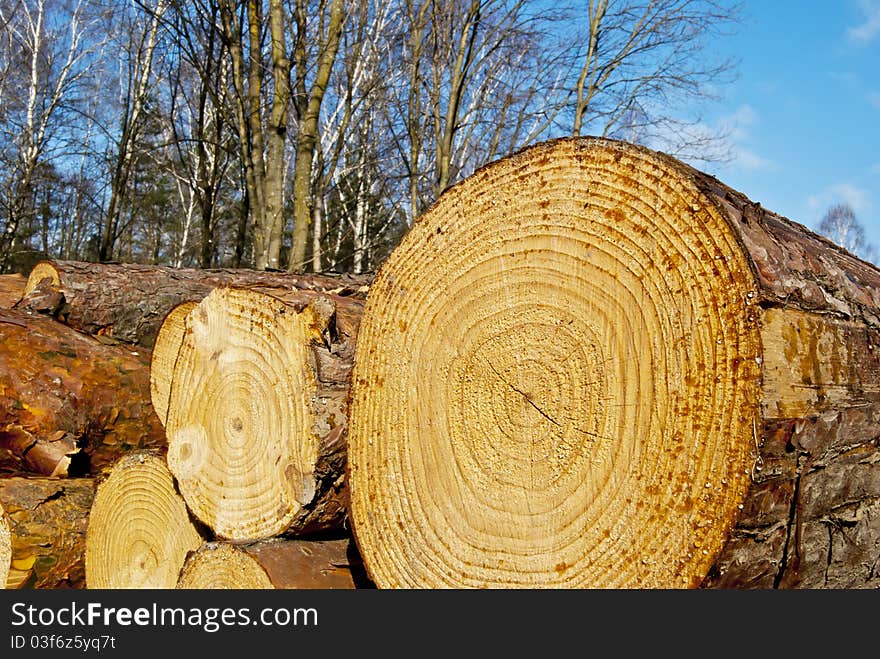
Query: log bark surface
<point>69,403</point>
<point>590,365</point>
<point>128,302</point>
<point>256,406</point>
<point>11,289</point>
<point>140,531</point>
<point>48,518</point>
<point>275,564</point>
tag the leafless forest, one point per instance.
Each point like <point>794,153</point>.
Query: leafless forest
<point>308,135</point>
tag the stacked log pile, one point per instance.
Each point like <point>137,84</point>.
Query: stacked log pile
<point>81,337</point>
<point>587,365</point>
<point>252,385</point>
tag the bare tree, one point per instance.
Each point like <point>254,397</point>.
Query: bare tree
<point>307,102</point>
<point>476,86</point>
<point>234,117</point>
<point>840,225</point>
<point>350,162</point>
<point>640,61</point>
<point>261,123</point>
<point>46,48</point>
<point>138,44</point>
<point>199,120</point>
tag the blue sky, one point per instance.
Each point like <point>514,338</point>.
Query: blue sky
<point>804,111</point>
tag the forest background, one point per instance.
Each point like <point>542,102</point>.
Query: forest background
<point>309,135</point>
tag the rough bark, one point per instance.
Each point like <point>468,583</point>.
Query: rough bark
<point>128,302</point>
<point>47,520</point>
<point>281,564</point>
<point>11,289</point>
<point>140,531</point>
<point>590,365</point>
<point>812,516</point>
<point>69,405</point>
<point>255,408</point>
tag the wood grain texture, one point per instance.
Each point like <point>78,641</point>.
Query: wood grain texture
<point>256,405</point>
<point>140,531</point>
<point>584,367</point>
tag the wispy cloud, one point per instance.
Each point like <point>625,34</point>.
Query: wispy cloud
<point>844,192</point>
<point>751,161</point>
<point>874,99</point>
<point>738,126</point>
<point>723,143</point>
<point>869,28</point>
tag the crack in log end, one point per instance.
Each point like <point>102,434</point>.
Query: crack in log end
<point>528,399</point>
<point>830,553</point>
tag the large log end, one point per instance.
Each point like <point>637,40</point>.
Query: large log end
<point>556,381</point>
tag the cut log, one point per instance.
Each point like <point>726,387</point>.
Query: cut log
<point>128,302</point>
<point>590,365</point>
<point>168,343</point>
<point>11,289</point>
<point>5,547</point>
<point>139,530</point>
<point>256,409</point>
<point>69,405</point>
<point>47,520</point>
<point>275,564</point>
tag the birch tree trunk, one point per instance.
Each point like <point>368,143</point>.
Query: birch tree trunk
<point>47,89</point>
<point>308,104</point>
<point>132,122</point>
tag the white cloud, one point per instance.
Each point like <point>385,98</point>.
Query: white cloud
<point>844,192</point>
<point>751,161</point>
<point>744,115</point>
<point>874,99</point>
<point>722,144</point>
<point>737,126</point>
<point>870,27</point>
